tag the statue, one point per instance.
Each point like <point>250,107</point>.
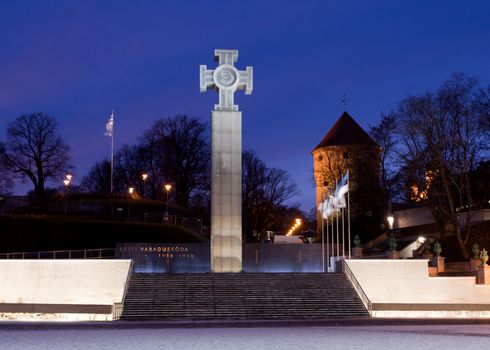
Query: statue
<point>483,257</point>
<point>476,250</point>
<point>437,249</point>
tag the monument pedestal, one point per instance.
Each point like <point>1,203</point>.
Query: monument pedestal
<point>474,264</point>
<point>438,263</point>
<point>356,253</point>
<point>483,275</point>
<point>226,189</point>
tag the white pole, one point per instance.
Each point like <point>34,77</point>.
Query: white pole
<point>112,151</point>
<point>332,231</point>
<point>337,223</point>
<point>343,235</point>
<point>323,235</point>
<point>328,253</point>
<point>348,214</point>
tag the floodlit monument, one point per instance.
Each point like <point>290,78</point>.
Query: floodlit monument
<point>226,160</point>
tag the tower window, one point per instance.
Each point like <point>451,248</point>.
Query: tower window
<point>346,155</point>
<point>320,158</point>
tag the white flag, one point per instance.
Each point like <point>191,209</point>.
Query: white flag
<point>341,190</point>
<point>110,125</point>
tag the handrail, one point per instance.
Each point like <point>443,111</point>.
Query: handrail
<point>357,286</point>
<point>63,254</point>
<point>118,308</point>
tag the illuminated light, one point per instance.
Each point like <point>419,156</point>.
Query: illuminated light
<point>421,239</point>
<point>131,190</point>
<point>144,176</point>
<point>168,187</point>
<point>390,220</point>
<point>66,182</point>
<point>69,177</point>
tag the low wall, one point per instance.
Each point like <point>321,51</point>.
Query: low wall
<point>402,288</point>
<point>62,289</point>
<point>195,257</point>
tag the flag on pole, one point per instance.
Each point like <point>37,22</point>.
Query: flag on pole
<point>341,190</point>
<point>110,125</point>
<point>335,202</point>
<point>327,207</point>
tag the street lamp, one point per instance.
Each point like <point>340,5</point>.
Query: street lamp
<point>168,187</point>
<point>144,177</point>
<point>66,182</point>
<point>390,220</point>
<point>130,190</point>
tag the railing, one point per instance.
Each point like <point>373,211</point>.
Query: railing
<point>118,308</point>
<point>104,253</point>
<point>364,298</point>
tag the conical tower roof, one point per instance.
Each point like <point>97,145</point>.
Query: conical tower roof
<point>346,131</point>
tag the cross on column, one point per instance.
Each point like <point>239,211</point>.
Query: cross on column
<point>226,79</point>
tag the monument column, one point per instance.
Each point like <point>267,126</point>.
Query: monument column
<point>226,160</point>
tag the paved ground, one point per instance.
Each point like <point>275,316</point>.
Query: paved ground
<point>340,334</point>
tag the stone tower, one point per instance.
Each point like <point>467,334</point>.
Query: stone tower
<point>348,147</point>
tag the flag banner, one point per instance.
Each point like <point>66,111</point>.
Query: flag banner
<point>341,190</point>
<point>110,125</point>
<point>334,203</point>
<point>328,207</point>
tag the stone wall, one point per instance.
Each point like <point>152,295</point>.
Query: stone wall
<point>403,288</point>
<point>62,289</point>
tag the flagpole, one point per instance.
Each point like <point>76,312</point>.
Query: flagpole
<point>333,241</point>
<point>328,254</point>
<point>337,223</point>
<point>323,231</point>
<point>333,238</point>
<point>112,151</point>
<point>348,213</point>
<point>343,235</point>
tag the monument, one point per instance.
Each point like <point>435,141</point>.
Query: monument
<point>226,160</point>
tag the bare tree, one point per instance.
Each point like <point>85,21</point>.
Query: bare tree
<point>442,144</point>
<point>98,180</point>
<point>6,180</point>
<point>34,150</point>
<point>129,164</point>
<point>264,192</point>
<point>384,134</point>
<point>180,155</point>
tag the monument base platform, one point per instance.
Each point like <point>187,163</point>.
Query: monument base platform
<point>62,290</point>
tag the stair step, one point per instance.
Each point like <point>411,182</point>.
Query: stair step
<point>240,296</point>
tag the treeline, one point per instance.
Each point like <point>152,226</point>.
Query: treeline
<point>174,150</point>
<point>435,152</point>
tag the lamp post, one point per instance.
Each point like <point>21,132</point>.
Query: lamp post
<point>144,177</point>
<point>66,182</point>
<point>168,187</point>
<point>130,191</point>
<point>390,220</point>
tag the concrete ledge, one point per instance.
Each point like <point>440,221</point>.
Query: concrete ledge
<point>429,307</point>
<point>76,290</point>
<point>55,308</point>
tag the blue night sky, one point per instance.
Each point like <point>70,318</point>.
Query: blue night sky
<point>77,60</point>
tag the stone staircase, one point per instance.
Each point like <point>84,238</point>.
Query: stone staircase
<point>255,296</point>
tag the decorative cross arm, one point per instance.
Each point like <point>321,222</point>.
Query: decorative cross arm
<point>226,79</point>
